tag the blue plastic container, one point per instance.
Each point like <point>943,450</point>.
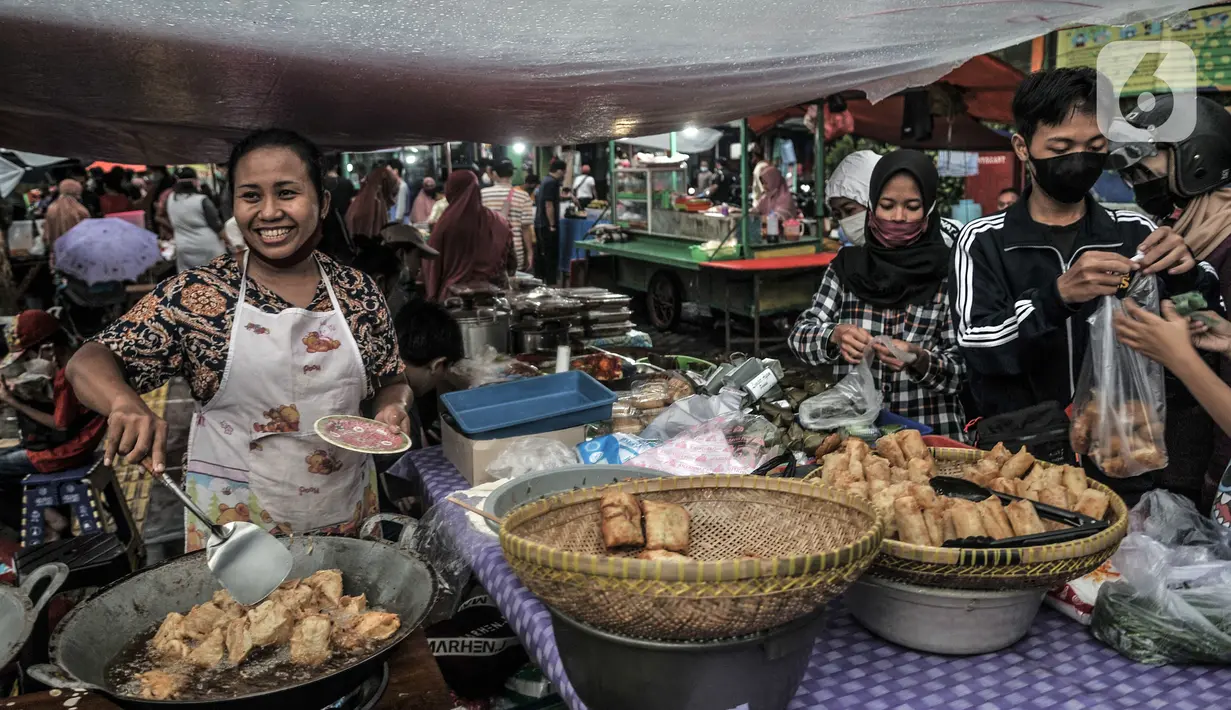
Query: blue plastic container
<point>888,418</point>
<point>530,406</point>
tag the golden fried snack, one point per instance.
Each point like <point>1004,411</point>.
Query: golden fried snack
<point>239,641</point>
<point>966,519</point>
<point>859,488</point>
<point>328,585</point>
<point>270,623</point>
<point>948,528</point>
<point>1093,502</point>
<point>310,640</point>
<point>201,621</point>
<point>834,464</point>
<point>999,454</point>
<point>992,515</point>
<point>1017,465</point>
<point>854,470</point>
<point>897,474</point>
<point>926,496</point>
<point>666,526</point>
<point>933,519</point>
<point>912,444</point>
<point>621,516</point>
<point>911,528</point>
<point>161,685</point>
<point>1074,480</point>
<point>875,487</point>
<point>1003,485</point>
<point>888,447</point>
<point>876,468</point>
<point>210,652</point>
<point>168,642</point>
<point>1057,497</point>
<point>855,448</point>
<point>662,555</point>
<point>1023,517</point>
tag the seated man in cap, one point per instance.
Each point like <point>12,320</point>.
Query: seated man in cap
<point>411,249</point>
<point>58,433</point>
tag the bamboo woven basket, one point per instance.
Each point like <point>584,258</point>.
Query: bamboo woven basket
<point>1016,568</point>
<point>767,551</point>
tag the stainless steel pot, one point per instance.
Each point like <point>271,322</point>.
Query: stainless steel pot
<point>952,621</point>
<point>20,606</point>
<point>530,340</point>
<point>483,327</point>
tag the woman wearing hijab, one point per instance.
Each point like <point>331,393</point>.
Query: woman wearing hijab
<point>1184,185</point>
<point>893,286</point>
<point>474,243</point>
<point>777,198</point>
<point>847,192</point>
<point>369,211</point>
<point>65,212</point>
<point>424,201</point>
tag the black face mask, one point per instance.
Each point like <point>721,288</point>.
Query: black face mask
<point>1067,178</point>
<point>1154,196</point>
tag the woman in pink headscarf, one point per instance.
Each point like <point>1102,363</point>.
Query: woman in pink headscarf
<point>777,198</point>
<point>475,244</point>
<point>65,212</point>
<point>421,210</point>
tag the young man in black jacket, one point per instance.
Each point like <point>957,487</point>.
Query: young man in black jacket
<point>1025,280</point>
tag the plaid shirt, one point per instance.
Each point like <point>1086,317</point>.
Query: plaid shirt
<point>930,398</point>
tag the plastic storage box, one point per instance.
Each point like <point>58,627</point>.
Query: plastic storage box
<point>530,406</point>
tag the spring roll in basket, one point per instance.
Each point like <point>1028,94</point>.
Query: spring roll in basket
<point>1023,517</point>
<point>909,515</point>
<point>966,519</point>
<point>1056,497</point>
<point>992,514</point>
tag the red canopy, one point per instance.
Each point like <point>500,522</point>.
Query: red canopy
<point>108,166</point>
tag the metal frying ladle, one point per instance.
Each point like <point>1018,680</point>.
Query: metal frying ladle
<point>248,561</point>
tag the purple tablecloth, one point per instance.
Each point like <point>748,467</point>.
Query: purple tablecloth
<point>1058,666</point>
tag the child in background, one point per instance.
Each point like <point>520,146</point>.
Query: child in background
<point>431,343</point>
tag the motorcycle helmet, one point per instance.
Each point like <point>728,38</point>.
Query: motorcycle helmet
<point>1202,161</point>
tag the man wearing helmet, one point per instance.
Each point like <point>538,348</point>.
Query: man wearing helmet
<point>1187,185</point>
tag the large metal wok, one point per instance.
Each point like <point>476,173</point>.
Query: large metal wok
<point>19,607</point>
<point>95,631</point>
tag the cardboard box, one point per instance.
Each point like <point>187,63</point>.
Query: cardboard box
<point>472,456</point>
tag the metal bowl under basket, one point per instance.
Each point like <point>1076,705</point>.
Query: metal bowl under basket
<point>765,552</point>
<point>1006,569</point>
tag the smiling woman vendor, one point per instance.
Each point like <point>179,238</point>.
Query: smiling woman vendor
<point>269,344</point>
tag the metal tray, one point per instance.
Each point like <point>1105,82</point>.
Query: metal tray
<point>525,489</point>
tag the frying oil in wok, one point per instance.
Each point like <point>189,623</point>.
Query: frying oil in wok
<point>264,670</point>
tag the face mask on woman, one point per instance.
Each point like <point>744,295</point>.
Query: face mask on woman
<point>852,227</point>
<point>896,234</point>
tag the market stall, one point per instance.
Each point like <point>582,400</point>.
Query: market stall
<point>1056,665</point>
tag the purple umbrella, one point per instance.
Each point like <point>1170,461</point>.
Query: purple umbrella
<point>106,249</point>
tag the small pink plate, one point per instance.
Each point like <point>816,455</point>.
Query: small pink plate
<point>366,436</point>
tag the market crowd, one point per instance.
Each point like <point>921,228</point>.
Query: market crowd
<point>990,322</point>
<point>997,326</point>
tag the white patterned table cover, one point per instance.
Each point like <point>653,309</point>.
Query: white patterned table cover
<point>1058,666</point>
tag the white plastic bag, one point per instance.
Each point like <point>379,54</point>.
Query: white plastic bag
<point>854,400</point>
<point>532,455</point>
<point>691,411</point>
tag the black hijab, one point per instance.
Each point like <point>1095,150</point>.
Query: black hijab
<point>909,275</point>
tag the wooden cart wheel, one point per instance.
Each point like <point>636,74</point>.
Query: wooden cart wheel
<point>664,300</point>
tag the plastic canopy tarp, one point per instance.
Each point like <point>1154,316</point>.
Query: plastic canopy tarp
<point>698,140</point>
<point>148,81</point>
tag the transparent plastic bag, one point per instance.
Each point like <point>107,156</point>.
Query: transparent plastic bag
<point>1173,604</point>
<point>735,442</point>
<point>532,455</point>
<point>853,401</point>
<point>1119,409</point>
<point>691,411</point>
